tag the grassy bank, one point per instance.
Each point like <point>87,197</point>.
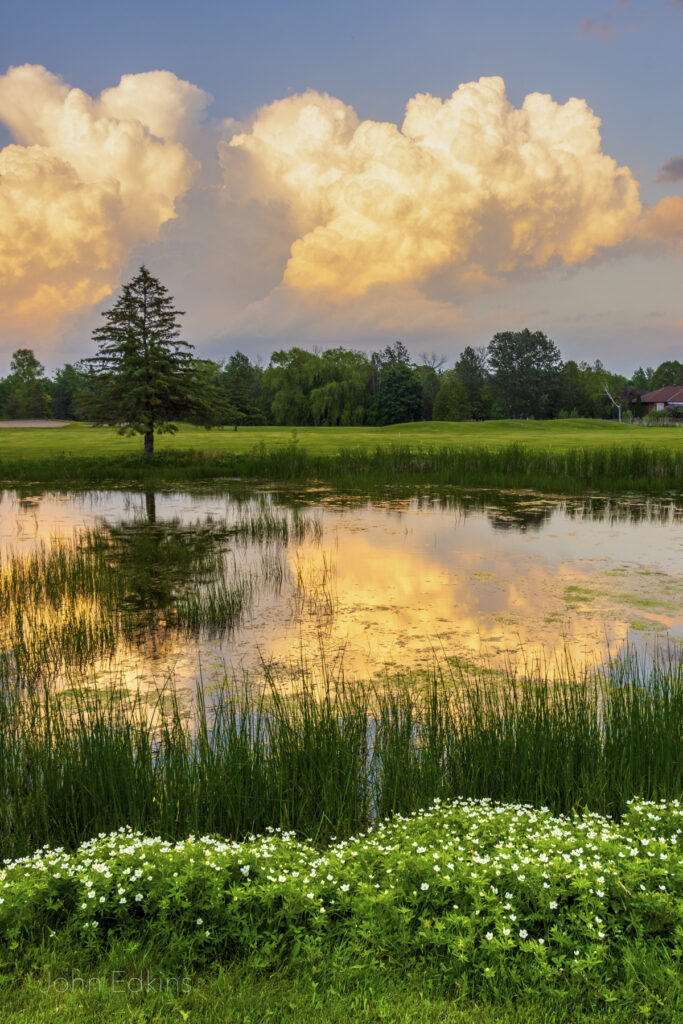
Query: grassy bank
<point>326,764</point>
<point>469,900</point>
<point>558,435</point>
<point>330,994</point>
<point>553,455</point>
<point>607,469</point>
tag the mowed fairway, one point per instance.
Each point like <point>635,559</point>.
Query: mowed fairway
<point>82,440</point>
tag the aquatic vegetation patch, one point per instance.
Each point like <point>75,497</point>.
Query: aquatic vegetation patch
<point>68,603</point>
<point>651,602</point>
<point>326,757</point>
<point>584,593</point>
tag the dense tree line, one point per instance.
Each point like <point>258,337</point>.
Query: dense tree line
<point>519,374</point>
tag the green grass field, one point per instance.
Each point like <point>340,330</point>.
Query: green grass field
<point>242,995</point>
<point>81,440</point>
<point>559,456</point>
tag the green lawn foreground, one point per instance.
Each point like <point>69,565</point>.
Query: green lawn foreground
<point>243,996</point>
<point>82,440</point>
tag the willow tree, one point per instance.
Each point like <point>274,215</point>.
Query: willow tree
<point>144,375</point>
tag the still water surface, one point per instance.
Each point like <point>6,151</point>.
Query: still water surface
<point>387,583</point>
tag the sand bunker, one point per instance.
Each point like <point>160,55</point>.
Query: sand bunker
<point>33,423</point>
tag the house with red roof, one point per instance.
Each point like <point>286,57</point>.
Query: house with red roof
<point>669,398</point>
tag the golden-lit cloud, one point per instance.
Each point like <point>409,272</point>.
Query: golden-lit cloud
<point>325,225</point>
<point>662,226</point>
<point>86,180</point>
<point>470,183</point>
<point>382,601</point>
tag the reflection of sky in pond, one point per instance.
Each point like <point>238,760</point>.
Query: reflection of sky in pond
<point>488,578</point>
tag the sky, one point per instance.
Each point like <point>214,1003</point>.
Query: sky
<point>350,174</point>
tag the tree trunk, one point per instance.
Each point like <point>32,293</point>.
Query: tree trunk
<point>149,442</point>
<point>151,507</point>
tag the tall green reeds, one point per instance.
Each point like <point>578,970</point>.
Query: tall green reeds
<point>328,761</point>
<point>609,468</point>
<point>70,603</point>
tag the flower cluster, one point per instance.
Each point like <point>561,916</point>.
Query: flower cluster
<point>476,885</point>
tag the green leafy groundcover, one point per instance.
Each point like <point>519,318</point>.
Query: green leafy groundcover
<point>489,895</point>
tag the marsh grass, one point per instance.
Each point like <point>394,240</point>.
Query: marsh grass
<point>327,759</point>
<point>268,525</point>
<point>69,603</point>
<point>573,469</point>
<point>315,588</point>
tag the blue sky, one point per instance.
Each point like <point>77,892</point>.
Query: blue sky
<point>231,260</point>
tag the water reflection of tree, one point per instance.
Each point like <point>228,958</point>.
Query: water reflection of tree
<point>158,564</point>
<point>508,510</point>
<point>511,514</point>
<point>149,582</point>
<point>626,509</point>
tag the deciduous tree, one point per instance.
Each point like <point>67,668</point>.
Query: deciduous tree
<point>400,394</point>
<point>452,401</point>
<point>472,370</point>
<point>26,390</point>
<point>67,386</point>
<point>669,372</point>
<point>526,366</point>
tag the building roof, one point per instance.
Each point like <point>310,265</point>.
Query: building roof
<point>671,393</point>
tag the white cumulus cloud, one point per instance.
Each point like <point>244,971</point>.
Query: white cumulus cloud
<point>86,180</point>
<point>469,183</point>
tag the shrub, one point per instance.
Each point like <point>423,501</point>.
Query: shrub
<point>494,895</point>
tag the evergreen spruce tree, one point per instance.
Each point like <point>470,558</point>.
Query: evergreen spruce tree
<point>144,375</point>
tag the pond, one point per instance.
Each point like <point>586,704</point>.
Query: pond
<point>141,588</point>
